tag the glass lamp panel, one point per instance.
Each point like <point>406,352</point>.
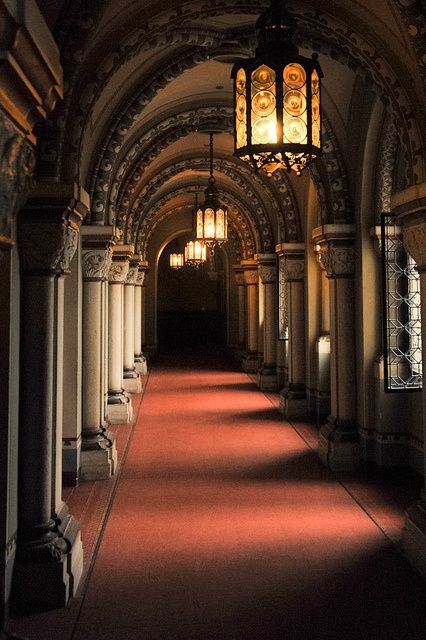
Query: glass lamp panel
<point>241,108</point>
<point>220,224</point>
<point>209,226</point>
<point>263,106</point>
<point>295,116</point>
<point>316,118</point>
<point>199,224</point>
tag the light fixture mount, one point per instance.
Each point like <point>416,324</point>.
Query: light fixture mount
<point>277,98</point>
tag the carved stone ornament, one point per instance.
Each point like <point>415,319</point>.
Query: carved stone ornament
<point>414,238</point>
<point>267,273</point>
<point>96,264</point>
<point>294,269</point>
<point>118,271</point>
<point>47,246</point>
<point>337,260</point>
<point>16,167</point>
<point>140,278</point>
<point>251,276</point>
<point>239,278</point>
<point>132,275</point>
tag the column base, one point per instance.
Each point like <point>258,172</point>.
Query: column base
<point>338,445</point>
<point>47,572</point>
<point>141,365</point>
<point>240,353</point>
<point>293,403</point>
<point>267,378</point>
<point>99,463</point>
<point>250,364</point>
<point>119,408</point>
<point>132,382</point>
<point>414,535</point>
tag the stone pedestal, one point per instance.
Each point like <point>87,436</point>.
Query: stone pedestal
<point>293,396</point>
<point>49,553</point>
<point>338,445</point>
<point>98,452</point>
<point>119,408</point>
<point>267,373</point>
<point>410,206</point>
<point>250,363</point>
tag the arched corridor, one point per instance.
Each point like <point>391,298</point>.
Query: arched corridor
<point>213,295</point>
<point>225,525</point>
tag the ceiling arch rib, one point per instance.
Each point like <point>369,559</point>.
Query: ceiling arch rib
<point>239,234</point>
<point>247,225</point>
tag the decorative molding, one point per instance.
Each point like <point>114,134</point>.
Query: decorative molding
<point>385,170</point>
<point>96,264</point>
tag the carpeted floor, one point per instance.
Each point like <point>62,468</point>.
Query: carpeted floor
<point>225,526</point>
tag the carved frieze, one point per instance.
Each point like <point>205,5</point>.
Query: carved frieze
<point>96,264</point>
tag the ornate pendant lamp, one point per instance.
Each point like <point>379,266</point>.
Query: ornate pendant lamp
<point>211,220</point>
<point>177,260</point>
<point>277,98</point>
<point>195,253</point>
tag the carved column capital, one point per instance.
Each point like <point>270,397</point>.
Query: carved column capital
<point>335,249</point>
<point>251,276</point>
<point>293,254</point>
<point>267,267</point>
<point>17,162</point>
<point>96,263</point>
<point>132,274</point>
<point>239,275</point>
<point>118,269</point>
<point>410,207</point>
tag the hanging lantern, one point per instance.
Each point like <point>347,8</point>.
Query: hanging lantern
<point>277,99</point>
<point>211,220</point>
<point>195,253</point>
<point>177,260</point>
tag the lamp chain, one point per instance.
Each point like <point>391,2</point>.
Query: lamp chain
<point>211,157</point>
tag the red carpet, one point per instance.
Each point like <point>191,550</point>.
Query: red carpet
<point>226,526</point>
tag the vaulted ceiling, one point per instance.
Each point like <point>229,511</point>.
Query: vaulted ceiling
<point>146,80</point>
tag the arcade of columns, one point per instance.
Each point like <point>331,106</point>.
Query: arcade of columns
<point>46,247</point>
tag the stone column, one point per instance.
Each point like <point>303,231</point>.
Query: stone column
<point>410,207</point>
<point>98,452</point>
<point>131,380</point>
<point>239,279</point>
<point>293,396</point>
<point>49,556</point>
<point>322,386</point>
<point>338,441</point>
<point>251,361</point>
<point>139,358</point>
<point>119,409</point>
<point>282,319</point>
<point>267,374</point>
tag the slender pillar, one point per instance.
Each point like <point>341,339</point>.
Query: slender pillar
<point>240,351</point>
<point>282,319</point>
<point>322,352</point>
<point>98,451</point>
<point>131,380</point>
<point>49,556</point>
<point>119,409</point>
<point>293,396</point>
<point>410,206</point>
<point>139,358</point>
<point>338,442</point>
<point>267,374</point>
<point>251,278</point>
